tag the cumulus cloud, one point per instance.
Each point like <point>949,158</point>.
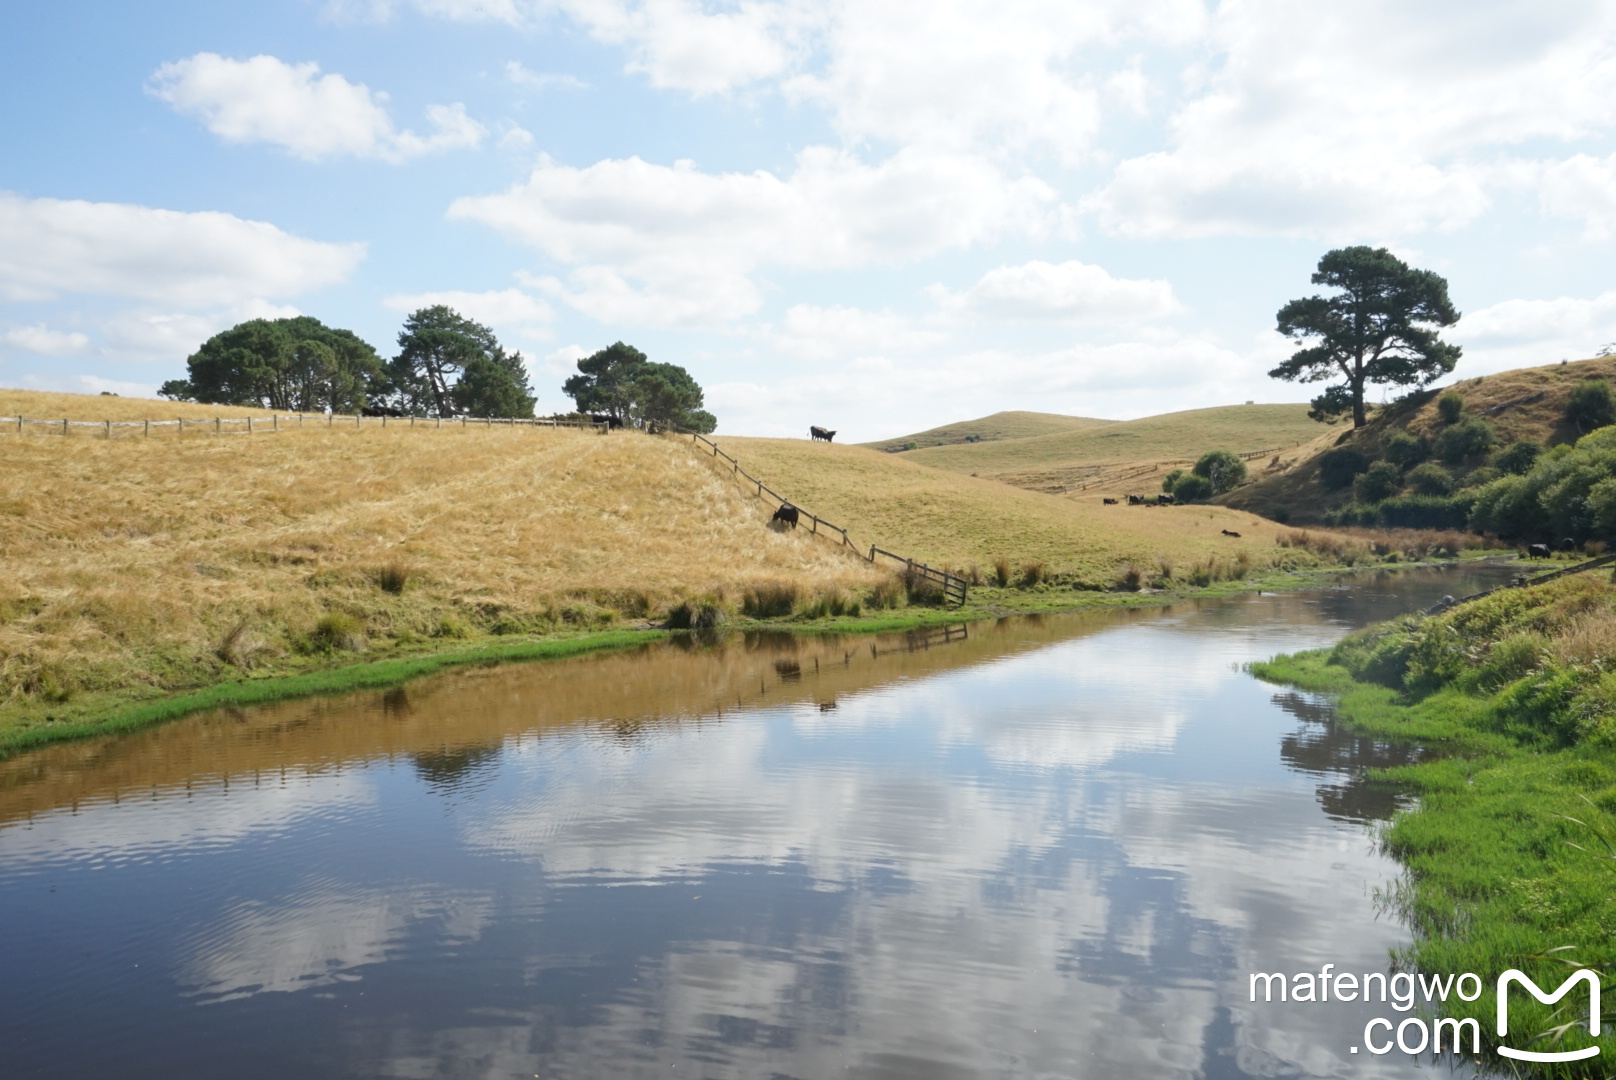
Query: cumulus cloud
<point>672,244</point>
<point>49,247</point>
<point>505,310</point>
<point>840,333</point>
<point>309,115</point>
<point>519,75</point>
<point>1341,118</point>
<point>1061,292</point>
<point>44,341</point>
<point>1521,333</point>
<point>173,335</point>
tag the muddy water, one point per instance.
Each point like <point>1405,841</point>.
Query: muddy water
<point>1035,847</point>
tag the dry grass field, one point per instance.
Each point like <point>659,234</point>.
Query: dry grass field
<point>1065,460</point>
<point>1001,425</point>
<point>39,405</point>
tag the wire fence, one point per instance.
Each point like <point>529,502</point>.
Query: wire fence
<point>276,423</point>
<point>952,585</point>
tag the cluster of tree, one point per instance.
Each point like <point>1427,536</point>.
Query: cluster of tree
<point>447,365</point>
<point>1459,479</point>
<point>1215,472</point>
<point>621,382</point>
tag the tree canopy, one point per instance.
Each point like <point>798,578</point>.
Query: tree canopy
<point>622,382</point>
<point>297,364</point>
<point>448,364</point>
<point>1377,329</point>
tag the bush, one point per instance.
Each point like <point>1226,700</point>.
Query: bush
<point>1430,479</point>
<point>393,577</point>
<point>1338,467</point>
<point>919,587</point>
<point>696,615</point>
<point>1519,457</point>
<point>1033,573</point>
<point>1223,469</point>
<point>1405,450</point>
<point>769,599</point>
<point>1380,481</point>
<point>337,631</point>
<point>1001,573</point>
<point>1131,578</point>
<point>1466,440</point>
<point>1192,488</point>
<point>1450,407</point>
<point>1170,481</point>
<point>887,593</point>
<point>1591,405</point>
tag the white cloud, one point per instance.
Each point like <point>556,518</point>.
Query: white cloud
<point>1340,118</point>
<point>144,335</point>
<point>512,12</point>
<point>309,115</point>
<point>1526,333</point>
<point>841,333</point>
<point>41,339</point>
<point>679,44</point>
<point>505,310</point>
<point>1581,187</point>
<point>655,244</point>
<point>519,75</point>
<point>1063,292</point>
<point>204,259</point>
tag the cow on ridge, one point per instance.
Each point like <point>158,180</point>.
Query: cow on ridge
<point>816,433</point>
<point>787,515</point>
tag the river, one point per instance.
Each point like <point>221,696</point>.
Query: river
<point>1036,847</point>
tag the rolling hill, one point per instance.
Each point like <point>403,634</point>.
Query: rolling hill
<point>1001,425</point>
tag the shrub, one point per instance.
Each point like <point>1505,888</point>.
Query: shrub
<point>1033,573</point>
<point>887,593</point>
<point>1466,440</point>
<point>1001,573</point>
<point>831,604</point>
<point>1430,479</point>
<point>1591,405</point>
<point>393,577</point>
<point>696,615</point>
<point>1450,407</point>
<point>1170,481</point>
<point>1519,457</point>
<point>1380,481</point>
<point>337,631</point>
<point>1131,578</point>
<point>919,588</point>
<point>1191,488</point>
<point>1405,450</point>
<point>769,599</point>
<point>1223,469</point>
<point>240,646</point>
<point>1338,467</point>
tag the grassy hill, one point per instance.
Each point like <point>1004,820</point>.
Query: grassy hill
<point>1063,460</point>
<point>1526,403</point>
<point>132,567</point>
<point>1001,425</point>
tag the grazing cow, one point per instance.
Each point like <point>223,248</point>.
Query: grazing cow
<point>381,410</point>
<point>1537,551</point>
<point>787,514</point>
<point>1568,544</point>
<point>817,433</point>
<point>1165,499</point>
<point>1231,532</point>
<point>1136,500</point>
<point>605,418</point>
<point>1110,501</point>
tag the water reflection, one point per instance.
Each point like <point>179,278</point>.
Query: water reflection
<point>1023,848</point>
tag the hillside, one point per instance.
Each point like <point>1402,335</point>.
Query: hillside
<point>1065,460</point>
<point>1526,403</point>
<point>1001,425</point>
<point>43,405</point>
<point>136,565</point>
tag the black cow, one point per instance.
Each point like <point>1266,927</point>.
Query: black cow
<point>1110,501</point>
<point>1164,499</point>
<point>1230,532</point>
<point>1136,500</point>
<point>787,514</point>
<point>817,433</point>
<point>1568,544</point>
<point>1537,551</point>
<point>381,410</point>
<point>605,418</point>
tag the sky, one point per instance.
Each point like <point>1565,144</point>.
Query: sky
<point>872,217</point>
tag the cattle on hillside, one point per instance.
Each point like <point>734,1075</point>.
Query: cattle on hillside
<point>1164,499</point>
<point>1109,501</point>
<point>816,433</point>
<point>1231,532</point>
<point>1537,551</point>
<point>787,515</point>
<point>380,410</point>
<point>1136,500</point>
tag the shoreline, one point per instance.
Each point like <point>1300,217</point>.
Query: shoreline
<point>116,713</point>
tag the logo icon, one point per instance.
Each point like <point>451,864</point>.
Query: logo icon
<point>1517,976</point>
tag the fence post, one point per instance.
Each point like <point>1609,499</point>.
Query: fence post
<point>148,429</point>
<point>384,419</point>
<point>330,419</point>
<point>275,421</point>
<point>19,425</point>
<point>249,425</point>
<point>355,419</point>
<point>218,426</point>
<point>109,429</point>
<point>64,427</point>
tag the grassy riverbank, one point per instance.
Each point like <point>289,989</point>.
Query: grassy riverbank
<point>1510,850</point>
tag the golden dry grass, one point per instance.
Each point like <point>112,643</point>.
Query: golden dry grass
<point>39,405</point>
<point>1001,425</point>
<point>161,562</point>
<point>958,521</point>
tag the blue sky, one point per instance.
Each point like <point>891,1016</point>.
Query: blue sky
<point>874,217</point>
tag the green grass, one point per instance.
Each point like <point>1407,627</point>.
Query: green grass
<point>1511,851</point>
<point>1154,438</point>
<point>1001,425</point>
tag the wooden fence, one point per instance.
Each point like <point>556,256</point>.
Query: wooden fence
<point>953,586</point>
<point>1521,581</point>
<point>243,425</point>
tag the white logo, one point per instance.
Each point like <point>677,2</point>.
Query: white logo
<point>1514,975</point>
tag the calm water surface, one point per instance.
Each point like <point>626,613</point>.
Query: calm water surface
<point>1033,848</point>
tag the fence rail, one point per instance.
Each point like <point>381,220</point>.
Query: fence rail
<point>278,422</point>
<point>953,586</point>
